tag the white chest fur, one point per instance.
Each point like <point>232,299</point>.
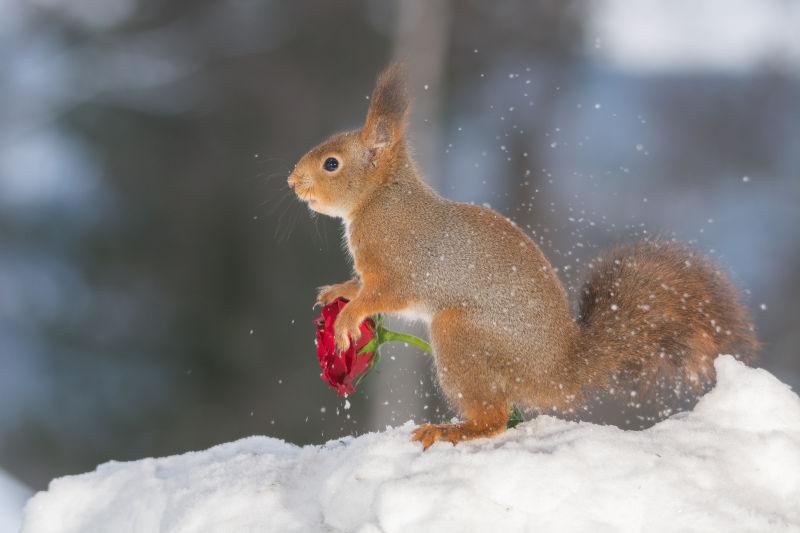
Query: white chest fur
<point>415,313</point>
<point>347,241</point>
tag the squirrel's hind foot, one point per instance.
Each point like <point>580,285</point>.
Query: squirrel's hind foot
<point>427,434</point>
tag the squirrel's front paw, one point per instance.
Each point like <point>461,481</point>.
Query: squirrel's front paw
<point>326,294</point>
<point>346,329</point>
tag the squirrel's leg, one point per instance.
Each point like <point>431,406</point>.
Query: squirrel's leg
<point>375,296</point>
<point>347,289</point>
<point>463,363</point>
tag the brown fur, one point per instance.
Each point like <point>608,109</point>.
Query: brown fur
<point>653,314</point>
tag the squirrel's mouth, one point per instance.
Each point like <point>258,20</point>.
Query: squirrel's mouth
<point>306,196</point>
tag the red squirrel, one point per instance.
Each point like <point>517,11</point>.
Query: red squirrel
<point>653,314</point>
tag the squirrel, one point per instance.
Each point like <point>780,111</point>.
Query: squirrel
<point>653,315</point>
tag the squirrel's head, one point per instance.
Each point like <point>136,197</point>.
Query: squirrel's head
<point>341,173</point>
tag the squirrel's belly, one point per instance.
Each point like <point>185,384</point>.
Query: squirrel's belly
<point>415,313</point>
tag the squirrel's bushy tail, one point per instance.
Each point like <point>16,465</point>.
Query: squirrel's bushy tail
<point>653,317</point>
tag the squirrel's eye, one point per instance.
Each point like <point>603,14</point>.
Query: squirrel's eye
<point>331,164</point>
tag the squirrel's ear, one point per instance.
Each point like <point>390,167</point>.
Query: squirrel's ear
<point>388,109</point>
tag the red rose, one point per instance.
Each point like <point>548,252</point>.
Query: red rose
<point>341,369</point>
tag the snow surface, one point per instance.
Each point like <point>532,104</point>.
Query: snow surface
<point>13,495</point>
<point>732,464</point>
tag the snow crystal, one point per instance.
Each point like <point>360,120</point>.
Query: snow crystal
<point>729,465</point>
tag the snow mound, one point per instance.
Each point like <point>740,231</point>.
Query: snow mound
<point>733,464</point>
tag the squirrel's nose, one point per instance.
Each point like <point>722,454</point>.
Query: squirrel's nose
<point>291,180</point>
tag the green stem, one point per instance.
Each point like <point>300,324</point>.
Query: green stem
<point>389,335</point>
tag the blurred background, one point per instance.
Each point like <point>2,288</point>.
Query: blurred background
<point>157,277</point>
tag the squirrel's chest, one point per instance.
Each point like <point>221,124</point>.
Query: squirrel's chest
<point>369,251</point>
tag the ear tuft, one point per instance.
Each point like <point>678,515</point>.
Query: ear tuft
<point>388,110</point>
